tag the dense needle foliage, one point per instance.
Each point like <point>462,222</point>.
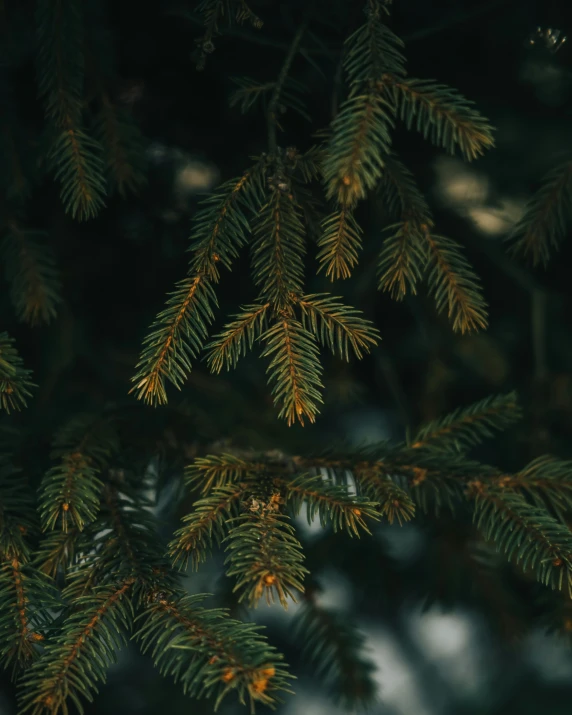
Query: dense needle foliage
<point>86,563</point>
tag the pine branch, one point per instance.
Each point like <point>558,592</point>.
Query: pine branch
<point>212,472</point>
<point>123,147</point>
<point>74,157</point>
<point>356,150</point>
<point>232,342</point>
<point>57,551</point>
<point>208,523</point>
<point>402,259</point>
<point>330,502</point>
<point>468,426</point>
<point>373,49</point>
<point>294,369</point>
<point>339,242</point>
<point>454,285</point>
<point>15,383</point>
<point>547,217</point>
<point>278,249</point>
<point>70,491</point>
<point>334,647</point>
<point>77,659</point>
<point>77,163</point>
<point>211,654</point>
<point>394,503</point>
<point>179,331</point>
<point>26,600</point>
<point>265,556</point>
<point>31,270</point>
<point>546,481</point>
<point>526,534</point>
<point>336,325</point>
<point>441,114</point>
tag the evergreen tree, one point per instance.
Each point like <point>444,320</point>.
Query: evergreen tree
<point>111,496</point>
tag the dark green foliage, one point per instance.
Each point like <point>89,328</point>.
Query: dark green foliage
<point>334,647</point>
<point>15,383</point>
<point>87,566</point>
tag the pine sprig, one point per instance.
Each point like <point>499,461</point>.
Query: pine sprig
<point>265,557</point>
<point>15,383</point>
<point>468,426</point>
<point>359,141</point>
<point>226,348</point>
<point>70,491</point>
<point>35,288</point>
<point>212,471</point>
<point>77,659</point>
<point>26,600</point>
<point>393,501</point>
<point>211,654</point>
<point>440,114</point>
<point>337,326</point>
<point>332,503</point>
<point>546,481</point>
<point>334,647</point>
<point>548,214</point>
<point>77,162</point>
<point>401,263</point>
<point>179,332</point>
<point>339,243</point>
<point>454,285</point>
<point>123,147</point>
<point>74,157</point>
<point>278,249</point>
<point>526,534</point>
<point>294,369</point>
<point>373,49</point>
<point>206,524</point>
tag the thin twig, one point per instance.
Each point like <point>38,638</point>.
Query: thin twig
<point>273,104</point>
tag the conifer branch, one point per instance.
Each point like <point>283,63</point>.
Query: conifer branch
<point>526,534</point>
<point>359,141</point>
<point>468,426</point>
<point>336,325</point>
<point>228,346</point>
<point>278,249</point>
<point>15,383</point>
<point>334,647</point>
<point>179,331</point>
<point>31,270</point>
<point>70,492</point>
<point>454,285</point>
<point>72,664</point>
<point>547,217</point>
<point>393,502</point>
<point>265,556</point>
<point>330,502</point>
<point>57,551</point>
<point>546,481</point>
<point>123,146</point>
<point>373,49</point>
<point>74,157</point>
<point>401,262</point>
<point>208,523</point>
<point>294,368</point>
<point>339,242</point>
<point>211,654</point>
<point>212,471</point>
<point>440,114</point>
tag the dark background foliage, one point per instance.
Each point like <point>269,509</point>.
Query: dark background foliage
<point>117,269</point>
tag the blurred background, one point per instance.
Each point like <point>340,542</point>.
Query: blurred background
<point>442,639</point>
